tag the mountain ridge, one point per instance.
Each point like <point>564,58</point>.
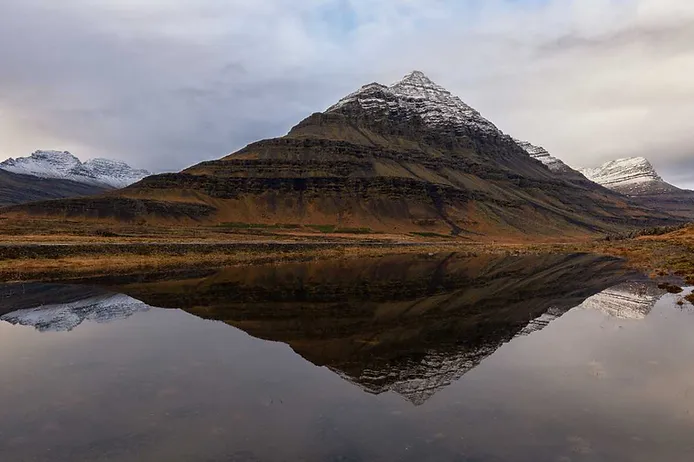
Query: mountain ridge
<point>539,153</point>
<point>105,173</point>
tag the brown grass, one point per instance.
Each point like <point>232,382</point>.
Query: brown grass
<point>163,248</point>
<point>76,262</point>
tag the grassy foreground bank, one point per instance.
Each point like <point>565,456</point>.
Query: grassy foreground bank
<point>49,256</point>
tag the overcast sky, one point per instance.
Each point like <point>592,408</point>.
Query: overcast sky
<point>163,84</point>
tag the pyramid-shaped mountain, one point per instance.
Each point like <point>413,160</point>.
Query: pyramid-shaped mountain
<point>406,157</point>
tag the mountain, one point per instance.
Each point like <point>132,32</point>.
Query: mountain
<point>637,178</point>
<point>409,157</point>
<point>103,173</point>
<point>634,176</point>
<point>19,189</point>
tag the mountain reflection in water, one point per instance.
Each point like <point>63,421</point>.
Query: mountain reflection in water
<point>411,325</point>
<point>92,371</point>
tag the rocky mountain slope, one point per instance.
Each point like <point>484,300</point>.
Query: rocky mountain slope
<point>637,178</point>
<point>409,157</point>
<point>19,189</point>
<point>62,165</point>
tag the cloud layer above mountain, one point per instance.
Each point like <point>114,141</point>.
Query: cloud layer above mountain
<point>163,84</point>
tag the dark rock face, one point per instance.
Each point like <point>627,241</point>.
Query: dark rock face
<point>120,208</point>
<point>19,189</point>
<point>409,157</point>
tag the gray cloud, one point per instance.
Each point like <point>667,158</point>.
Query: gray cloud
<point>165,84</point>
<point>671,35</point>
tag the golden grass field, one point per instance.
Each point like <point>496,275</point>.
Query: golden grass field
<point>41,249</point>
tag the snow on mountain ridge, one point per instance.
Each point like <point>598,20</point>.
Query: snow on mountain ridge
<point>632,175</point>
<point>65,166</point>
<point>541,154</point>
<point>416,94</point>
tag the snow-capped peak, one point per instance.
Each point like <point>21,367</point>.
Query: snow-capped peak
<point>63,165</point>
<point>417,84</point>
<point>417,95</point>
<point>633,175</point>
<point>541,154</point>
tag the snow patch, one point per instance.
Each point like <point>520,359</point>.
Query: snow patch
<point>541,154</point>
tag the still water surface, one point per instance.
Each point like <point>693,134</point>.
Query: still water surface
<point>435,358</point>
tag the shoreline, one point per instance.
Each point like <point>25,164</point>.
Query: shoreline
<point>42,254</point>
<point>22,262</point>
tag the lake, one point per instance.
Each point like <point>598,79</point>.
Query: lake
<point>402,358</point>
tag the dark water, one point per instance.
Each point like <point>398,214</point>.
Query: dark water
<point>435,358</point>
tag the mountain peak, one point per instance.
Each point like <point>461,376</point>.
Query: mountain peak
<point>417,96</point>
<point>416,83</point>
<point>54,155</point>
<point>415,77</point>
<point>631,175</point>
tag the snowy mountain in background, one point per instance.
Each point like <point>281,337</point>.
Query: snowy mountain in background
<point>634,176</point>
<point>541,154</point>
<point>63,165</point>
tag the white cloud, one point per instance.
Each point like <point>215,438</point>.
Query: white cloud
<point>168,83</point>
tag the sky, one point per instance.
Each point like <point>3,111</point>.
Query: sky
<point>164,84</point>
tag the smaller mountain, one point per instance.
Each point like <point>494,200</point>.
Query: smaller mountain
<point>106,173</point>
<point>636,177</point>
<point>18,189</point>
<point>633,176</point>
<point>541,154</point>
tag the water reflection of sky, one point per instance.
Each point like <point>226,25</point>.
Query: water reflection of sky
<point>165,385</point>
